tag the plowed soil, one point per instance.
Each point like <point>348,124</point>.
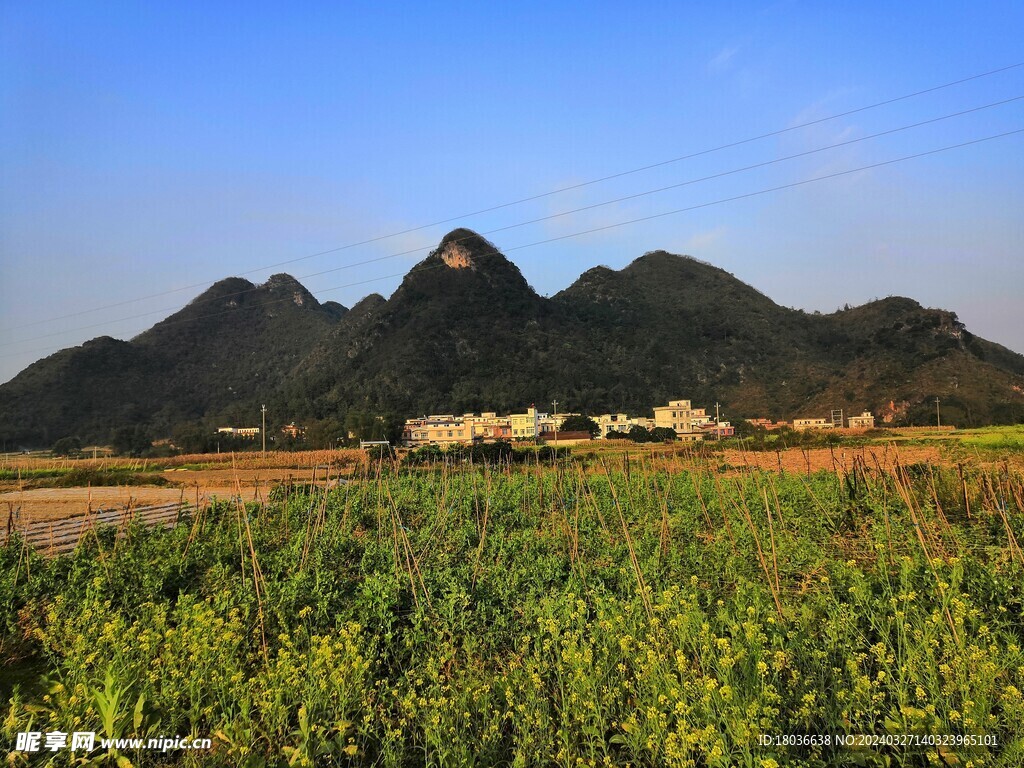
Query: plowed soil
<point>189,486</point>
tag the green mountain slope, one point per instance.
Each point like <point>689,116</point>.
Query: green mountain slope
<point>231,345</point>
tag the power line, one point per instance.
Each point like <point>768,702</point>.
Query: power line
<point>542,195</point>
<point>606,227</point>
<point>550,217</point>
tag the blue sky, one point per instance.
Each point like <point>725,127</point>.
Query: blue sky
<point>150,147</point>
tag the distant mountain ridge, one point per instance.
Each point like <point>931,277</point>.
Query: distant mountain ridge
<point>465,332</point>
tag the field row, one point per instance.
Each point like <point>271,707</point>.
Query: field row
<point>613,614</point>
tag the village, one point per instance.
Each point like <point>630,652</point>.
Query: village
<point>689,423</point>
<point>678,417</point>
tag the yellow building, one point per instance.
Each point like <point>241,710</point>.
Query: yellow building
<point>800,425</point>
<point>677,415</point>
<point>526,426</point>
<point>248,432</point>
<point>488,426</point>
<point>620,422</point>
<point>437,429</point>
<point>443,429</point>
<point>864,421</point>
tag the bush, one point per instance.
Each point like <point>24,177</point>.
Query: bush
<point>376,453</point>
<point>552,452</point>
<point>639,434</point>
<point>499,452</point>
<point>67,446</point>
<point>663,435</point>
<point>580,424</point>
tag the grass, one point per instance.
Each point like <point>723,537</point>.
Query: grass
<point>79,477</point>
<point>997,439</point>
<point>624,612</point>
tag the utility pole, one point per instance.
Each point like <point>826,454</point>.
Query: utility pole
<point>263,431</point>
<point>718,420</point>
<point>938,416</point>
<point>554,416</point>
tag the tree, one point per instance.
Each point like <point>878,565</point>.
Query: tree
<point>325,433</point>
<point>639,434</point>
<point>194,438</point>
<point>132,441</point>
<point>580,424</point>
<point>663,435</point>
<point>365,426</point>
<point>67,446</point>
<point>744,428</point>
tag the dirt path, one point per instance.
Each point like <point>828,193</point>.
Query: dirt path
<point>57,503</point>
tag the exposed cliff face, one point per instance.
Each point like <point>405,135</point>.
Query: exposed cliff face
<point>456,256</point>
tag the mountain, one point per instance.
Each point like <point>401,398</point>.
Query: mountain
<point>465,332</point>
<point>231,345</point>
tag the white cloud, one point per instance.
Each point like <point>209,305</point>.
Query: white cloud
<point>720,61</point>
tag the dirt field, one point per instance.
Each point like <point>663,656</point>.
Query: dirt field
<point>840,459</point>
<point>57,503</point>
<point>191,486</point>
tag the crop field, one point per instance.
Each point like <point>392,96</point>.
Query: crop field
<point>590,610</point>
<point>36,488</point>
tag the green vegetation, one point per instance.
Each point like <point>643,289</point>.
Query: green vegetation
<point>999,440</point>
<point>581,424</point>
<point>67,446</point>
<point>81,476</point>
<point>544,614</point>
<point>639,434</point>
<point>992,443</point>
<point>497,453</point>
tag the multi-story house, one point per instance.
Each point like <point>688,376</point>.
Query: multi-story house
<point>526,426</point>
<point>864,421</point>
<point>681,416</point>
<point>437,429</point>
<point>489,426</point>
<point>620,422</point>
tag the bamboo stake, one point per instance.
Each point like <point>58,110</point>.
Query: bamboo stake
<point>637,572</point>
<point>904,492</point>
<point>483,536</point>
<point>760,551</point>
<point>771,533</point>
